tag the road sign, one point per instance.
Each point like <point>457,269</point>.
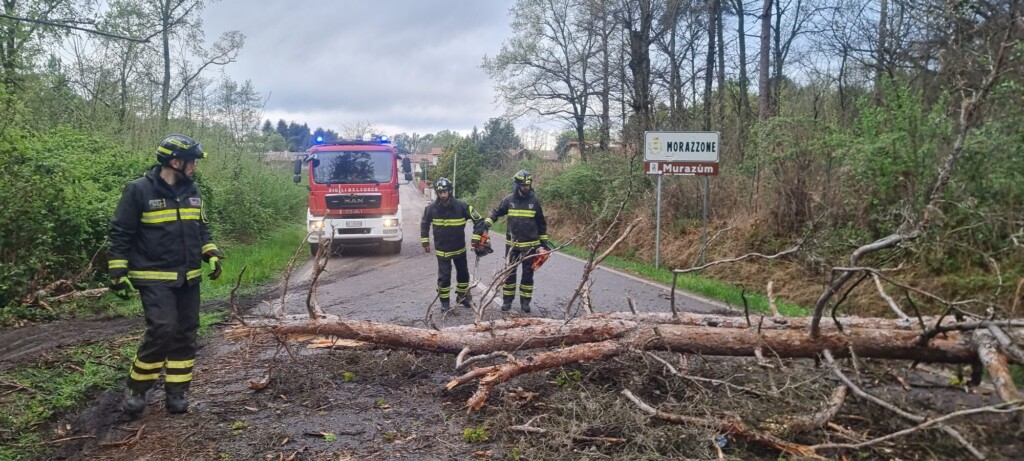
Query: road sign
<point>681,168</point>
<point>681,146</point>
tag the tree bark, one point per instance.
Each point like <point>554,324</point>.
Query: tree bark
<point>713,335</point>
<point>764,89</point>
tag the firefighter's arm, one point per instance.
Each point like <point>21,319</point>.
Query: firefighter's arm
<point>123,227</point>
<point>542,226</point>
<point>478,220</point>
<point>425,229</point>
<point>209,249</point>
<point>497,213</point>
<point>211,254</point>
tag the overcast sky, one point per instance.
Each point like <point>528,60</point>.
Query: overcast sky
<point>405,66</point>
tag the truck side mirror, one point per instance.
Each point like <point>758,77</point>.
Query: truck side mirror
<point>408,176</point>
<point>298,171</point>
<point>406,167</point>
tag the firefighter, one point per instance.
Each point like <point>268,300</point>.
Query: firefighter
<point>527,233</point>
<point>159,237</point>
<point>448,216</point>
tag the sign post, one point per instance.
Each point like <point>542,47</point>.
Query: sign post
<point>680,153</point>
<point>657,227</point>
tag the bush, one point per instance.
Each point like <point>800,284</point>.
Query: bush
<point>584,188</point>
<point>60,189</point>
<point>56,200</point>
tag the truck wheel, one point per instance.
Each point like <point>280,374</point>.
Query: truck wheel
<point>391,248</point>
<point>313,248</point>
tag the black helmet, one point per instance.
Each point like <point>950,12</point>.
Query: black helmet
<point>179,146</point>
<point>443,184</point>
<point>523,177</point>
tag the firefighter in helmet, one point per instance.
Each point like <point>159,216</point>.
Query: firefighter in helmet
<point>159,238</point>
<point>527,234</point>
<point>447,215</point>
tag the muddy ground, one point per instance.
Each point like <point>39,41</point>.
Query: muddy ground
<point>255,400</point>
<point>374,404</point>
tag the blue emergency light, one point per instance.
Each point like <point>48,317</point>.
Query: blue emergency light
<point>319,139</point>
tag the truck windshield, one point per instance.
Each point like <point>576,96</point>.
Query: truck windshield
<point>353,167</point>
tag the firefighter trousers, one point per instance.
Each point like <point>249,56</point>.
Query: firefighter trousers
<point>172,319</point>
<point>444,276</point>
<point>508,291</point>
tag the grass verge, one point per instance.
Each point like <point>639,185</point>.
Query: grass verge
<point>34,396</point>
<point>710,288</point>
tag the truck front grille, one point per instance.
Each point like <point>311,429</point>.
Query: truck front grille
<point>352,231</point>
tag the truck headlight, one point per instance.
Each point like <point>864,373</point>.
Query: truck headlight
<point>390,222</point>
<point>316,226</point>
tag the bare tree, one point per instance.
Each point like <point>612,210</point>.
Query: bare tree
<point>544,69</point>
<point>764,84</point>
<point>179,20</point>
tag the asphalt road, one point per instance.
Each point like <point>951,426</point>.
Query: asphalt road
<point>360,283</point>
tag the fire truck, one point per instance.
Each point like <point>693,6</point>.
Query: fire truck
<point>353,194</point>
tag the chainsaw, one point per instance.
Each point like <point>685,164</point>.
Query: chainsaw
<point>540,258</point>
<point>481,248</point>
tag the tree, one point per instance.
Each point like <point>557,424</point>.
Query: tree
<point>404,143</point>
<point>19,39</point>
<point>764,84</point>
<point>498,139</point>
<point>638,20</point>
<point>267,127</point>
<point>179,20</point>
<point>239,107</point>
<point>544,68</point>
<point>444,139</point>
<point>461,163</point>
<point>282,128</point>
<point>359,130</point>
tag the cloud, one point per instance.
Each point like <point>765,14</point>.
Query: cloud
<point>411,65</point>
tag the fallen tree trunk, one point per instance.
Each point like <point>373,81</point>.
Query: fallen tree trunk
<point>601,336</point>
<point>693,333</point>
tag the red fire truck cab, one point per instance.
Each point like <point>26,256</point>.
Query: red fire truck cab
<point>353,194</point>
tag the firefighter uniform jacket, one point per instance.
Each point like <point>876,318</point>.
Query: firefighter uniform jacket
<point>527,227</point>
<point>449,221</point>
<point>159,234</point>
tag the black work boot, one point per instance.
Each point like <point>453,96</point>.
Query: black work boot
<point>134,402</point>
<point>176,403</point>
<point>524,304</point>
<point>467,301</point>
<point>506,305</point>
<point>445,305</point>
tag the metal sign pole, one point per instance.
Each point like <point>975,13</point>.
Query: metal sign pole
<point>455,169</point>
<point>704,231</point>
<point>657,228</point>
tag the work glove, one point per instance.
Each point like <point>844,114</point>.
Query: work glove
<point>426,247</point>
<point>213,253</point>
<point>121,287</point>
<point>214,262</point>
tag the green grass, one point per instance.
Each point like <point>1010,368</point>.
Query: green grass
<point>33,396</point>
<point>710,288</point>
<point>262,261</point>
<point>38,394</point>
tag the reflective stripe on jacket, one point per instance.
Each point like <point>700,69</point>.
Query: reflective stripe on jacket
<point>449,223</point>
<point>158,233</point>
<point>526,224</point>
